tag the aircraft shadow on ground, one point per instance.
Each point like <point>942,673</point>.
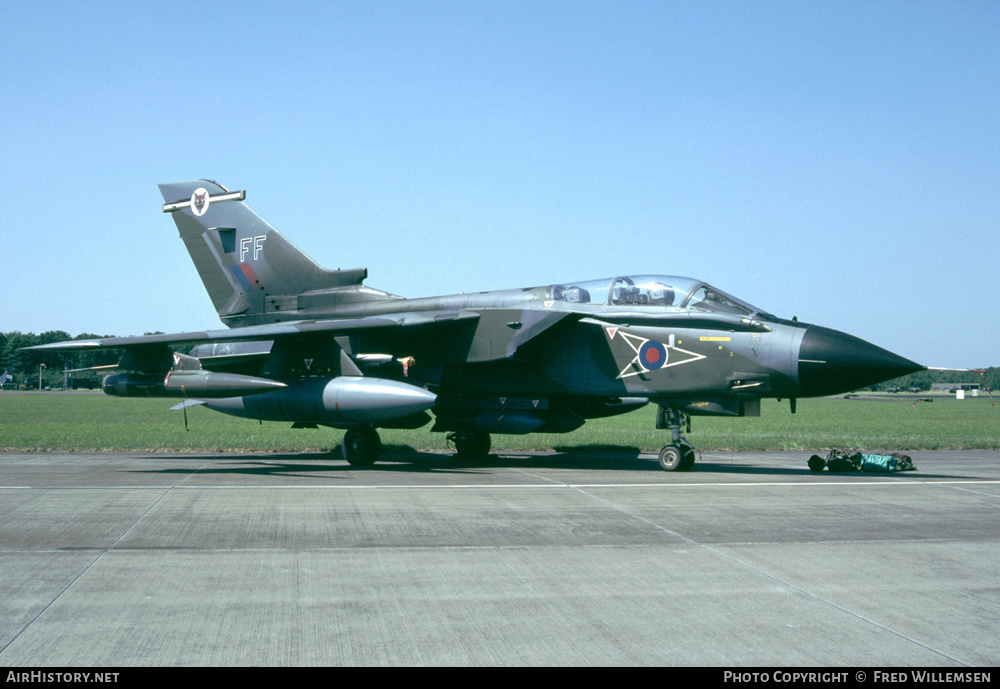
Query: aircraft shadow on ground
<point>405,459</point>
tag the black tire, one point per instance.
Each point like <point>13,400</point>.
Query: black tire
<point>670,458</point>
<point>361,446</point>
<point>674,458</point>
<point>687,456</point>
<point>472,445</point>
<point>817,463</point>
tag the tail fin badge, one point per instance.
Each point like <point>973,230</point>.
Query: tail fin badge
<point>201,199</point>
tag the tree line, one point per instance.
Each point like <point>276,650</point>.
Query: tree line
<point>25,365</point>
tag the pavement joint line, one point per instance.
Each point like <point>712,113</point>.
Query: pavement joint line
<point>949,484</point>
<point>781,581</point>
<point>549,481</point>
<point>441,546</point>
<point>97,559</point>
<point>835,606</point>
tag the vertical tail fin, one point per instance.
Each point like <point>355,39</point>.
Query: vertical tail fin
<point>252,273</point>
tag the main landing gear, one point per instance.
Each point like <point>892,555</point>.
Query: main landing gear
<point>361,446</point>
<point>678,456</point>
<point>470,445</point>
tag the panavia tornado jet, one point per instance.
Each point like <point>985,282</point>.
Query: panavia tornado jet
<point>316,347</point>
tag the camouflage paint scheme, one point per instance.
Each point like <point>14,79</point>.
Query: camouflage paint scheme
<point>319,347</point>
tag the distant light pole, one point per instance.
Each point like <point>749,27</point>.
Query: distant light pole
<point>40,368</point>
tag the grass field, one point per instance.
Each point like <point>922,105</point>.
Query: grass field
<point>93,421</point>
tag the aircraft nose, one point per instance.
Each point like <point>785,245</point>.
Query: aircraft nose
<point>832,362</point>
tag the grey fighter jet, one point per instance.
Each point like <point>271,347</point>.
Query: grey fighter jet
<point>316,347</point>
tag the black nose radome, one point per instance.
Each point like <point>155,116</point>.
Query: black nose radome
<point>832,362</point>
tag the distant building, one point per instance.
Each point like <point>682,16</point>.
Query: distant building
<point>953,387</point>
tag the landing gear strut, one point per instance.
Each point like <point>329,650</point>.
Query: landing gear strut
<point>361,446</point>
<point>678,456</point>
<point>470,445</point>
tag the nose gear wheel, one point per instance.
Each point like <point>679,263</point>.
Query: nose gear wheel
<point>679,455</point>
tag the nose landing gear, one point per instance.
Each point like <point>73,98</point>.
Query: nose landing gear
<point>678,456</point>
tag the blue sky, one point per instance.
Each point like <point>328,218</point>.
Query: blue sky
<point>835,161</point>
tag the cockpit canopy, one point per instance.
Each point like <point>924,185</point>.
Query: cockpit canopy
<point>651,290</point>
